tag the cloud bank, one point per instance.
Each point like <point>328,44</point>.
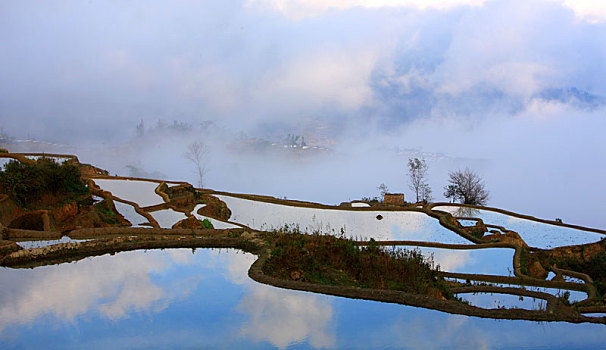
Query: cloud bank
<point>515,89</point>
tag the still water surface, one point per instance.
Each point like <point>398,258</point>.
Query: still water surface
<point>535,234</point>
<point>360,225</point>
<point>178,298</point>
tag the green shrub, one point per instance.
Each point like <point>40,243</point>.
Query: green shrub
<point>327,259</point>
<point>594,267</point>
<point>106,213</point>
<point>207,224</point>
<point>26,183</point>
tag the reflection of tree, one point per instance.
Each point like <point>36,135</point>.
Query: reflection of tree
<point>466,212</point>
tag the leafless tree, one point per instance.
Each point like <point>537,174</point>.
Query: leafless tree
<point>196,153</point>
<point>467,187</point>
<point>417,172</point>
<point>383,190</point>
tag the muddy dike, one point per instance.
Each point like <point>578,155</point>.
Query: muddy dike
<point>262,244</point>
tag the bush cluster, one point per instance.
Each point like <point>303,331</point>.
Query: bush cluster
<point>330,260</point>
<point>26,183</point>
<point>595,267</point>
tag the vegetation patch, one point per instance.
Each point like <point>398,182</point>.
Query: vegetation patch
<point>588,258</point>
<point>105,210</point>
<point>595,267</point>
<point>330,260</point>
<point>43,180</point>
<point>207,224</point>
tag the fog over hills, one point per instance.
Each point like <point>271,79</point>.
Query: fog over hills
<point>513,89</point>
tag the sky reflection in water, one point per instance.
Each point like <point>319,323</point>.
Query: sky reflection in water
<point>179,299</point>
<point>535,234</point>
<point>394,225</point>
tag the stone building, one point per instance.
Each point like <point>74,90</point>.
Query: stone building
<point>393,198</point>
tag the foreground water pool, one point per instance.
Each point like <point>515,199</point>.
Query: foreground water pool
<point>204,299</point>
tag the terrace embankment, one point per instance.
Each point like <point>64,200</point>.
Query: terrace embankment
<point>517,215</point>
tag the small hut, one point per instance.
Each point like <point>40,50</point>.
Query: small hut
<point>393,198</point>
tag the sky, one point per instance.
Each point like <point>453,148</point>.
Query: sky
<point>514,89</point>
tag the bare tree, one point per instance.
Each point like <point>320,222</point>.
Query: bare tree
<point>196,152</point>
<point>417,172</point>
<point>383,190</point>
<point>426,193</point>
<point>450,192</point>
<point>466,187</point>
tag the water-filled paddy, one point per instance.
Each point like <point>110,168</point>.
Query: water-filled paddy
<point>216,223</point>
<point>573,295</point>
<point>140,192</point>
<point>489,261</point>
<point>173,298</point>
<point>167,218</point>
<point>413,226</point>
<point>129,213</point>
<point>500,300</point>
<point>58,160</point>
<point>535,234</point>
<point>4,161</point>
<point>46,243</point>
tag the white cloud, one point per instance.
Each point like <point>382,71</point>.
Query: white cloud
<point>593,11</point>
<point>514,78</point>
<point>335,79</point>
<point>298,9</point>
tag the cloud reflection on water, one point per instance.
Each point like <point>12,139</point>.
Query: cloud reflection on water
<point>282,317</point>
<point>228,310</point>
<point>113,286</point>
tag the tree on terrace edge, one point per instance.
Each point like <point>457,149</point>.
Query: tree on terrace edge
<point>467,187</point>
<point>417,172</point>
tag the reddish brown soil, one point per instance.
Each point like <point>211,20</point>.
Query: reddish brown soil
<point>34,220</point>
<point>189,223</point>
<point>214,208</point>
<point>7,247</point>
<point>583,252</point>
<point>508,237</point>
